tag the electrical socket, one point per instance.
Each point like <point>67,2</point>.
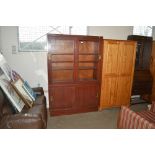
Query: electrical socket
<point>13,49</point>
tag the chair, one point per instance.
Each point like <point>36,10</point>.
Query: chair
<point>33,118</point>
<point>129,119</point>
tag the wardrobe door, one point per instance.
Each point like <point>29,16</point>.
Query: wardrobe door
<point>117,73</point>
<point>88,73</point>
<point>126,64</point>
<point>109,73</point>
<point>61,73</point>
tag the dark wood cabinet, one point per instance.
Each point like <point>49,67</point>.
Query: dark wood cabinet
<point>142,81</point>
<point>74,66</point>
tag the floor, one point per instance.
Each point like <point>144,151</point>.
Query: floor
<point>105,119</point>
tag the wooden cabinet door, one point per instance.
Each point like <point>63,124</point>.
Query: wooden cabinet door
<point>117,73</point>
<point>123,90</point>
<point>87,96</point>
<point>126,64</point>
<point>108,92</point>
<point>110,58</point>
<point>61,99</point>
<point>109,73</point>
<point>126,58</point>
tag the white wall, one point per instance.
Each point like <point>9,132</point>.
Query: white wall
<point>111,32</point>
<point>32,66</point>
<point>0,40</point>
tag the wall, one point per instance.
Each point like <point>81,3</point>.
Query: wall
<point>111,32</point>
<point>32,66</point>
<point>0,40</point>
<point>153,32</point>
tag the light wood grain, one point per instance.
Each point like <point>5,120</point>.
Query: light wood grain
<point>117,73</point>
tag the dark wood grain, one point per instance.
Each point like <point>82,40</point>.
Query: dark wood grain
<point>143,81</point>
<point>74,73</point>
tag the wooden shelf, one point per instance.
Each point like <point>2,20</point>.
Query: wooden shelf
<point>88,61</point>
<point>88,53</point>
<point>87,68</point>
<point>62,81</point>
<point>62,62</point>
<point>62,68</point>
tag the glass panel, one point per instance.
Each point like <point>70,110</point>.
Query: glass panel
<point>62,46</point>
<point>62,75</point>
<point>89,74</point>
<point>88,57</point>
<point>62,58</point>
<point>88,47</point>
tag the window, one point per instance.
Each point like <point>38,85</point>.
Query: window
<point>35,39</point>
<point>142,30</point>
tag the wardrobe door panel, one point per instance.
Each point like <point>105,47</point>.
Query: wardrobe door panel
<point>126,61</point>
<point>108,92</point>
<point>123,89</point>
<point>110,58</point>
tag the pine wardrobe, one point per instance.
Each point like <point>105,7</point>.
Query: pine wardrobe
<point>117,73</point>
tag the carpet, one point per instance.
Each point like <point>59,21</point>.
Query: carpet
<point>105,119</point>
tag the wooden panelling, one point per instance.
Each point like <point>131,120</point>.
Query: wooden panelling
<point>85,99</point>
<point>126,55</point>
<point>117,73</point>
<point>60,102</point>
<point>123,90</point>
<point>111,55</point>
<point>108,91</point>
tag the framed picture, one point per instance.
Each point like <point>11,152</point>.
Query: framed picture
<point>5,67</point>
<point>29,90</point>
<point>11,94</point>
<point>18,86</point>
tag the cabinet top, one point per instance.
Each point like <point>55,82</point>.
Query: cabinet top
<point>138,37</point>
<point>58,36</point>
<point>115,40</point>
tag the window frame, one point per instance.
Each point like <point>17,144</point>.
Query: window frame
<point>37,51</point>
